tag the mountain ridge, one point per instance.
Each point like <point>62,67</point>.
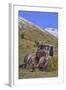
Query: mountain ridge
<point>29,35</point>
<point>51,31</point>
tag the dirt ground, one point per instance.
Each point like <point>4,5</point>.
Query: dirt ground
<point>26,73</point>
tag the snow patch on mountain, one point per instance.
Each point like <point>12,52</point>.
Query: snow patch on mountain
<point>52,31</point>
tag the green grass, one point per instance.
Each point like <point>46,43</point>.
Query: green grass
<point>24,73</point>
<point>53,64</point>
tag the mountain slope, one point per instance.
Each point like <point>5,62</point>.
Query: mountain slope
<point>52,31</point>
<point>29,34</point>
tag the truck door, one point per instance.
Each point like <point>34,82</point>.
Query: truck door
<point>51,51</point>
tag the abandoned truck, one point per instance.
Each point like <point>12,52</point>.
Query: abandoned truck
<point>40,60</point>
<point>44,49</point>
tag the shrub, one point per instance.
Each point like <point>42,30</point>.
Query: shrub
<point>36,43</point>
<point>22,35</point>
<point>53,64</point>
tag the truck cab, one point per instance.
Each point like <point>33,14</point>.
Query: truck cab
<point>43,50</point>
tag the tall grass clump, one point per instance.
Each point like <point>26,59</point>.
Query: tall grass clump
<point>53,64</point>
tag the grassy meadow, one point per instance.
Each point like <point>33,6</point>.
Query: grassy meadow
<point>29,36</point>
